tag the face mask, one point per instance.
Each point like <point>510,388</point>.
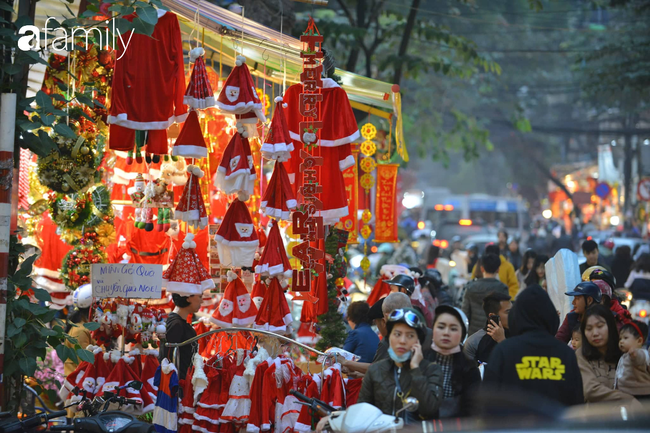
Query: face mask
<point>397,358</point>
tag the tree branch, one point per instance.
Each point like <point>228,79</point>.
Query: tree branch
<point>347,12</point>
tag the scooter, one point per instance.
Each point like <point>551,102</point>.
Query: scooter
<point>360,417</point>
<point>11,424</point>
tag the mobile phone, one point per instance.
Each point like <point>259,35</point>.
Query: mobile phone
<point>494,317</point>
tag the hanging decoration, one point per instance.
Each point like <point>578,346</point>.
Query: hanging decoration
<point>199,91</point>
<point>278,200</point>
<point>306,224</point>
<point>350,222</point>
<point>385,208</point>
<point>71,168</point>
<point>367,181</point>
<point>75,269</point>
<point>277,143</point>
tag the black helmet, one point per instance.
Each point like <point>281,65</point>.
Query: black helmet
<point>605,275</point>
<point>431,279</point>
<point>472,247</point>
<point>587,288</point>
<point>405,281</point>
<point>409,317</point>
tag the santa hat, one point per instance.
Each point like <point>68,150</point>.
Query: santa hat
<point>73,379</point>
<point>278,144</point>
<point>236,308</point>
<point>278,200</point>
<point>258,293</point>
<point>274,260</point>
<point>237,238</point>
<point>274,314</point>
<point>199,91</point>
<point>186,275</point>
<point>238,95</point>
<point>191,208</point>
<point>236,170</point>
<point>149,368</point>
<point>120,375</point>
<point>306,334</point>
<point>190,142</point>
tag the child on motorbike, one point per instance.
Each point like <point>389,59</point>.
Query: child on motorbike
<point>406,374</point>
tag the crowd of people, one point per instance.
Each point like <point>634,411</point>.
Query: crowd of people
<point>505,335</point>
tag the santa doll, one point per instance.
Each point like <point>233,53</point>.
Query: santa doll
<point>236,307</point>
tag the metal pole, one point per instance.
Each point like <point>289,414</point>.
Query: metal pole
<point>7,133</point>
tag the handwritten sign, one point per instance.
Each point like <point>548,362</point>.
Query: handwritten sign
<point>126,280</point>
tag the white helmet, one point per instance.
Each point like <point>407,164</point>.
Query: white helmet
<point>83,296</point>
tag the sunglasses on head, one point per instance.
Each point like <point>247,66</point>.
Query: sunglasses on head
<point>411,319</point>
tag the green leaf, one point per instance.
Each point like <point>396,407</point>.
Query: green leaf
<point>84,99</point>
<point>91,326</point>
<point>42,295</point>
<point>43,99</point>
<point>86,355</point>
<point>64,130</point>
<point>49,316</point>
<point>99,104</point>
<point>20,340</point>
<point>12,330</point>
<point>123,26</point>
<point>70,353</point>
<point>28,366</point>
<point>141,27</point>
<point>19,322</point>
<point>62,86</point>
<point>59,97</point>
<point>148,14</point>
<point>5,7</point>
<point>61,352</point>
<point>47,332</point>
<point>12,68</point>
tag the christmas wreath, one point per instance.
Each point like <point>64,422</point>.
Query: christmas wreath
<point>71,168</point>
<point>70,212</point>
<point>101,208</point>
<point>75,269</point>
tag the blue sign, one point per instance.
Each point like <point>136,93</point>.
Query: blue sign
<point>603,190</point>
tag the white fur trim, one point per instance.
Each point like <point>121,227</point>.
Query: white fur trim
<point>195,53</point>
<point>330,143</point>
<point>347,162</point>
<point>199,103</point>
<point>187,289</point>
<point>240,108</point>
<point>272,271</point>
<point>189,151</point>
<point>278,99</point>
<point>167,367</point>
<point>122,120</point>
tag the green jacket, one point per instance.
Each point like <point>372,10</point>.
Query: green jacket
<point>423,383</point>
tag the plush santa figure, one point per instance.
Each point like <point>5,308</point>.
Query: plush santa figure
<point>236,307</point>
<point>149,367</point>
<point>186,275</point>
<point>199,91</point>
<point>237,238</point>
<point>238,95</point>
<point>274,313</point>
<point>236,170</point>
<point>277,143</point>
<point>191,208</point>
<point>190,142</point>
<point>339,130</point>
<point>122,374</point>
<point>278,200</point>
<point>274,260</point>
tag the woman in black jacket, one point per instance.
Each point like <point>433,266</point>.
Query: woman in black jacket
<point>460,374</point>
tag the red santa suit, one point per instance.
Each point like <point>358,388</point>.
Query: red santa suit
<point>149,78</point>
<point>339,130</point>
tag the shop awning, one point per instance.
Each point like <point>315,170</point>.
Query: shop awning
<point>262,47</point>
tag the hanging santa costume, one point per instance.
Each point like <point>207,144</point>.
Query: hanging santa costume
<point>190,142</point>
<point>199,91</point>
<point>339,130</point>
<point>278,200</point>
<point>146,98</point>
<point>165,414</point>
<point>274,260</point>
<point>238,95</point>
<point>274,313</point>
<point>186,275</point>
<point>237,238</point>
<point>236,307</point>
<point>236,170</point>
<point>149,368</point>
<point>191,207</point>
<point>277,143</point>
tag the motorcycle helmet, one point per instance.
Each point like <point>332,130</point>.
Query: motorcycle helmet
<point>83,296</point>
<point>405,281</point>
<point>409,316</point>
<point>587,273</point>
<point>587,288</point>
<point>605,275</point>
<point>458,313</point>
<point>432,279</point>
<point>472,247</point>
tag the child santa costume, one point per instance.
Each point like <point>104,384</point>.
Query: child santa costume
<point>237,238</point>
<point>236,172</point>
<point>165,414</point>
<point>274,260</point>
<point>339,130</point>
<point>278,200</point>
<point>236,307</point>
<point>191,207</point>
<point>190,142</point>
<point>274,313</point>
<point>277,143</point>
<point>238,95</point>
<point>186,275</point>
<point>199,91</point>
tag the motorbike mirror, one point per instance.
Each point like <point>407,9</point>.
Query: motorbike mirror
<point>136,384</point>
<point>411,404</point>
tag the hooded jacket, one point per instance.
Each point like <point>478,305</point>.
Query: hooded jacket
<point>532,360</point>
<point>178,330</point>
<point>476,291</point>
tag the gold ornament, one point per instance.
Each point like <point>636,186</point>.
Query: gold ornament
<point>366,231</point>
<point>368,164</point>
<point>366,216</point>
<point>368,148</point>
<point>367,181</point>
<point>368,131</point>
<point>84,150</point>
<point>365,264</point>
<point>339,282</point>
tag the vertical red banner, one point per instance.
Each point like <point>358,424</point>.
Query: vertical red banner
<point>350,223</point>
<point>385,203</point>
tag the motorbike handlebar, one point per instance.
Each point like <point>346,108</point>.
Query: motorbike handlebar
<point>319,407</point>
<point>67,427</point>
<point>42,418</point>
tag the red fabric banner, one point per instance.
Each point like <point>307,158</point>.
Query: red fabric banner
<point>350,223</point>
<point>385,204</point>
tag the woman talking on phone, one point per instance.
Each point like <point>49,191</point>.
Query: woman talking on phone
<point>389,382</point>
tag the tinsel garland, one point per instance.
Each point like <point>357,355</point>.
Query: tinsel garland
<point>71,168</point>
<point>70,211</point>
